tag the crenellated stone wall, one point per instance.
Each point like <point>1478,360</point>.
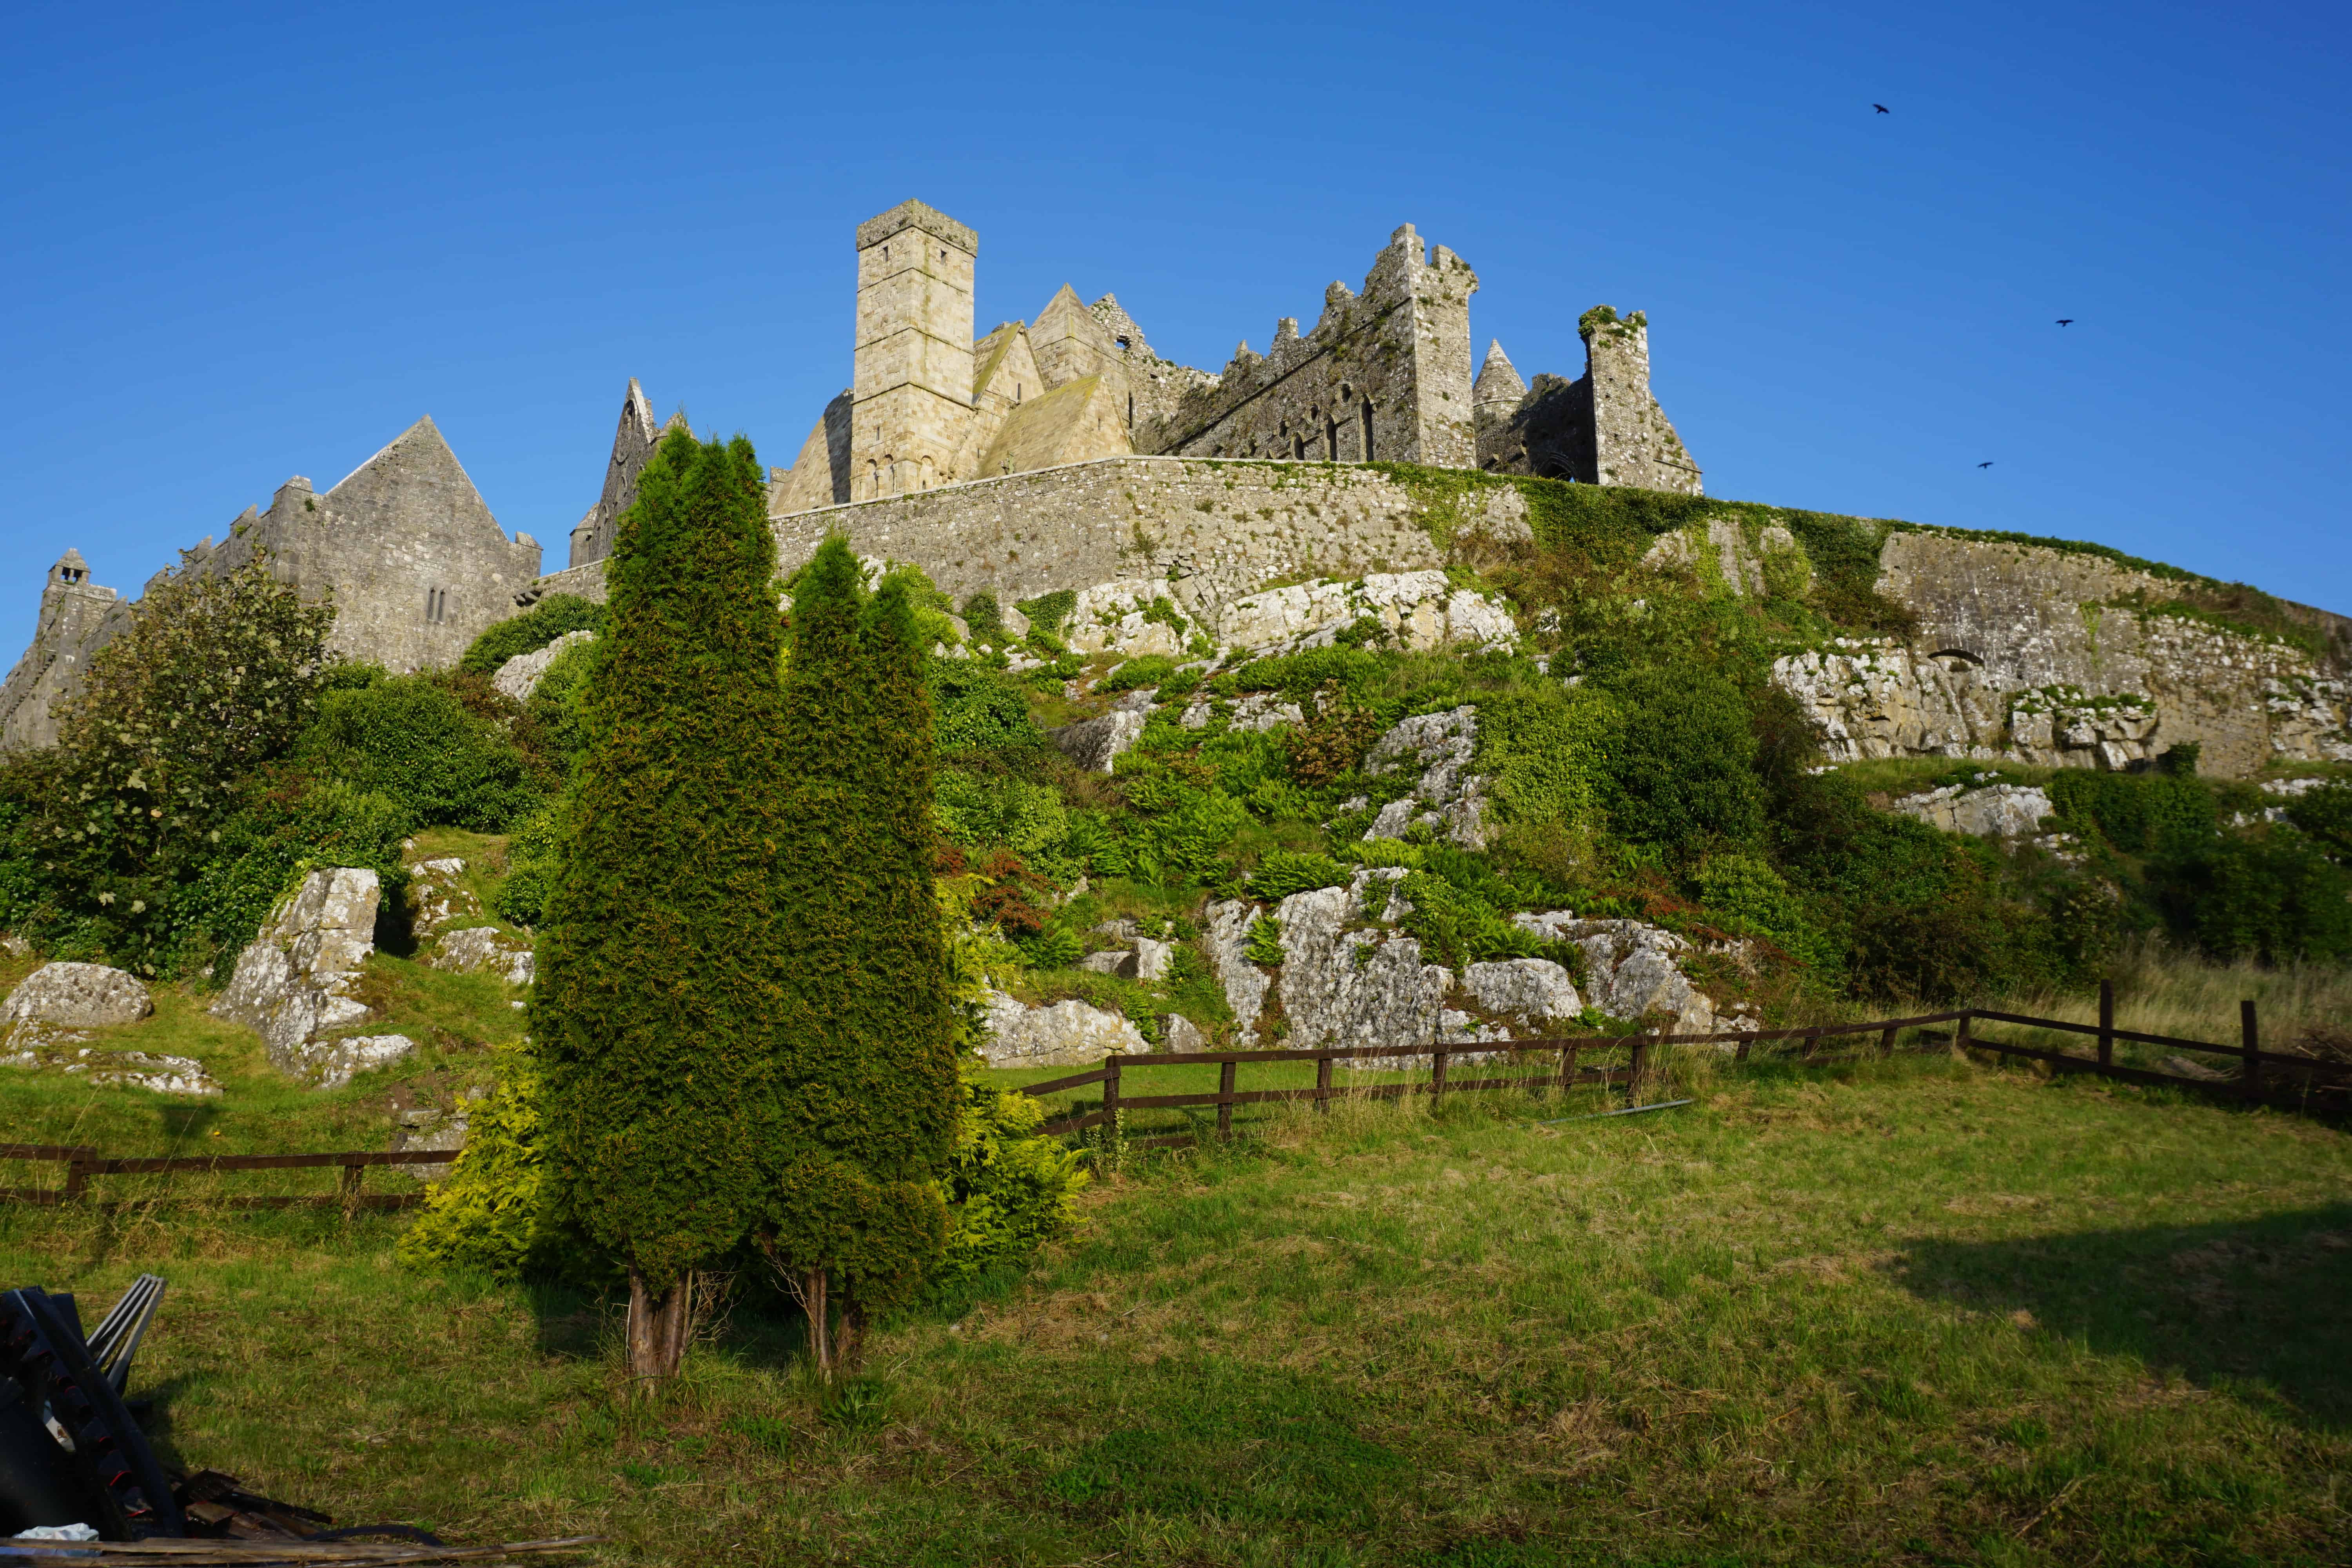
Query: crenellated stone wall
<point>1382,375</point>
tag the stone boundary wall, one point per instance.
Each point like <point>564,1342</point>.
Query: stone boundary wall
<point>1215,529</point>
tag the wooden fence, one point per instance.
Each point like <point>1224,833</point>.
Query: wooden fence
<point>2268,1076</point>
<point>2263,1076</point>
<point>82,1164</point>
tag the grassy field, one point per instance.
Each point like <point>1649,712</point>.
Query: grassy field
<point>1918,1311</point>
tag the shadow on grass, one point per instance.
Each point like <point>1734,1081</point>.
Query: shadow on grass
<point>2255,1308</point>
<point>1239,1443</point>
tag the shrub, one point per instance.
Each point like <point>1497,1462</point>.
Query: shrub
<point>2267,895</point>
<point>549,619</point>
<point>1265,940</point>
<point>534,861</point>
<point>265,851</point>
<point>2138,814</point>
<point>1046,613</point>
<point>992,811</point>
<point>1681,775</point>
<point>1546,751</point>
<point>1145,669</point>
<point>213,678</point>
<point>1457,927</point>
<point>499,1208</point>
<point>412,738</point>
<point>558,705</point>
<point>1285,872</point>
<point>975,708</point>
<point>2325,814</point>
<point>656,1015</point>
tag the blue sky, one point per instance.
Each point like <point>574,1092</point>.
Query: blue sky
<point>245,242</point>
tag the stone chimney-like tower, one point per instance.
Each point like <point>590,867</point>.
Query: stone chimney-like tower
<point>912,387</point>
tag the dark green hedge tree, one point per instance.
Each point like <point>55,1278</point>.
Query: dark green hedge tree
<point>658,1001</point>
<point>866,1092</point>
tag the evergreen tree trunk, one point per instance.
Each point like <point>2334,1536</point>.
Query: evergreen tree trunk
<point>812,1301</point>
<point>849,1344</point>
<point>659,1327</point>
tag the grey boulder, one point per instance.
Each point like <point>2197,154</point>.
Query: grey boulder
<point>78,996</point>
<point>294,983</point>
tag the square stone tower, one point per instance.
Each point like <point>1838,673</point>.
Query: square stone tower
<point>912,392</point>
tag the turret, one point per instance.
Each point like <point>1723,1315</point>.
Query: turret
<point>912,392</point>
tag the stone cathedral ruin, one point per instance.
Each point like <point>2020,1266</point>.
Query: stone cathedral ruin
<point>1064,454</point>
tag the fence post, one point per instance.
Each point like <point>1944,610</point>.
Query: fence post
<point>1225,1099</point>
<point>1633,1071</point>
<point>1962,1032</point>
<point>1323,1085</point>
<point>1437,1060</point>
<point>1885,1042</point>
<point>1567,1069</point>
<point>1110,1127</point>
<point>78,1174</point>
<point>348,1188</point>
<point>2250,1036</point>
<point>2106,1023</point>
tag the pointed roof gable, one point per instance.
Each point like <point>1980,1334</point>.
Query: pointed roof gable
<point>1499,378</point>
<point>415,483</point>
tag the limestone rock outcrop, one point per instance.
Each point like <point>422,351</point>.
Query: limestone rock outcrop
<point>1350,976</point>
<point>78,996</point>
<point>486,950</point>
<point>1536,993</point>
<point>44,1048</point>
<point>45,1027</point>
<point>295,982</point>
<point>437,896</point>
<point>1410,610</point>
<point>1132,616</point>
<point>1447,796</point>
<point>518,676</point>
<point>1632,969</point>
<point>1095,745</point>
<point>1361,987</point>
<point>1987,811</point>
<point>2066,659</point>
<point>1067,1034</point>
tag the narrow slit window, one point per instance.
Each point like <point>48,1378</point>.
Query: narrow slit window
<point>1367,429</point>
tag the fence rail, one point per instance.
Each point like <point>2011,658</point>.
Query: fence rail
<point>2260,1069</point>
<point>2259,1079</point>
<point>82,1163</point>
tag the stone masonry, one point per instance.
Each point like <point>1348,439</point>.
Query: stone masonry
<point>416,565</point>
<point>1214,531</point>
<point>1604,429</point>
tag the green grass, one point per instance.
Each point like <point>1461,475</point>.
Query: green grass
<point>1915,1312</point>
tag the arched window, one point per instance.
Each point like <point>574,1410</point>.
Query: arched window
<point>1367,429</point>
<point>1299,448</point>
<point>1331,438</point>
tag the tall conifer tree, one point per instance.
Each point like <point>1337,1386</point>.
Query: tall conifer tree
<point>868,1092</point>
<point>658,1002</point>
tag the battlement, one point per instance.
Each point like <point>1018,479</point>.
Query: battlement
<point>917,216</point>
<point>1384,373</point>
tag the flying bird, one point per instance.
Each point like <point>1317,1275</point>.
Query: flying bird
<point>1882,109</point>
<point>1984,465</point>
<point>2065,320</point>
